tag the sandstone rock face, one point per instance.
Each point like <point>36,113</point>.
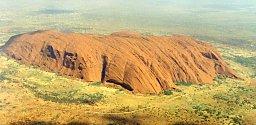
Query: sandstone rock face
<point>142,64</point>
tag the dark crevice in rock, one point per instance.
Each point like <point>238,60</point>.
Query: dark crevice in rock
<point>159,82</point>
<point>104,66</point>
<point>50,52</point>
<point>58,53</point>
<point>210,55</point>
<point>69,60</point>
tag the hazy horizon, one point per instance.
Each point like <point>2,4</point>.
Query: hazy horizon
<point>227,21</point>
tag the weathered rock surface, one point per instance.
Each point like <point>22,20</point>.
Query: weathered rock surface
<point>144,64</point>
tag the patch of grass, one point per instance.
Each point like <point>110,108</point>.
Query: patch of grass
<point>125,109</point>
<point>96,84</point>
<point>254,106</point>
<point>119,92</point>
<point>220,80</point>
<point>168,92</point>
<point>82,98</point>
<point>4,75</point>
<point>207,112</point>
<point>183,83</point>
<point>253,75</point>
<point>246,61</point>
<point>221,97</point>
<point>70,96</point>
<point>231,99</point>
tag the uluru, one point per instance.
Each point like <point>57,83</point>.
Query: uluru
<point>139,63</point>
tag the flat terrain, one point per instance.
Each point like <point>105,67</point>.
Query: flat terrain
<point>32,96</point>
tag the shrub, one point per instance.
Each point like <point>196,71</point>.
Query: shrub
<point>90,98</point>
<point>221,97</point>
<point>96,84</point>
<point>167,92</point>
<point>237,120</point>
<point>254,106</point>
<point>183,83</point>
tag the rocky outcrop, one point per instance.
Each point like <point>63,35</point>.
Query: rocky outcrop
<point>144,64</point>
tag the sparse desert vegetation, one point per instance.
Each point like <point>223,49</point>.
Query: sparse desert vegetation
<point>183,83</point>
<point>167,92</point>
